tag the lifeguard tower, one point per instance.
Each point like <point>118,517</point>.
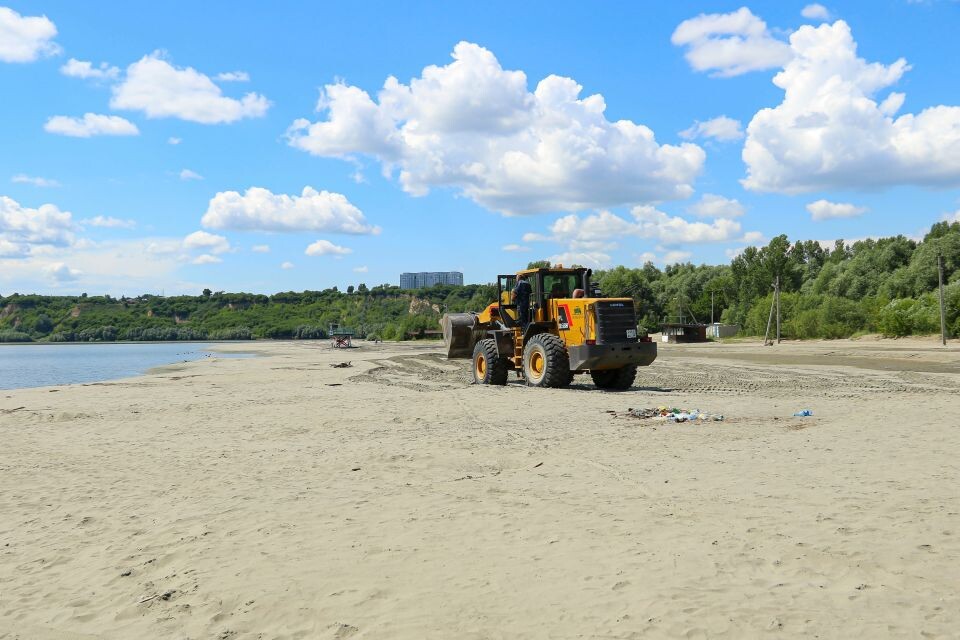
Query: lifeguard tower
<point>341,337</point>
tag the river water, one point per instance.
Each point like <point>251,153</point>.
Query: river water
<point>41,365</point>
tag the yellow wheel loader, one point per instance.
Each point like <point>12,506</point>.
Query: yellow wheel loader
<point>567,333</point>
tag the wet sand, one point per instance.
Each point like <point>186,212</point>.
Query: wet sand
<point>278,497</point>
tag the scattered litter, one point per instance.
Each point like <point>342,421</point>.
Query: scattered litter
<point>11,410</point>
<point>334,384</point>
<point>354,468</point>
<point>673,414</point>
<point>539,464</point>
<point>341,365</point>
<point>803,413</point>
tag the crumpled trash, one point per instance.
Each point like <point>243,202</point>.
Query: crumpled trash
<point>803,413</point>
<point>673,414</point>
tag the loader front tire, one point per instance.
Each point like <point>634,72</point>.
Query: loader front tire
<point>488,366</point>
<point>546,362</point>
<point>615,379</point>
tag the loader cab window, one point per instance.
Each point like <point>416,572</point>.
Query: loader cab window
<point>506,285</point>
<point>560,285</point>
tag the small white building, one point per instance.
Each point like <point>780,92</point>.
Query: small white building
<point>717,330</point>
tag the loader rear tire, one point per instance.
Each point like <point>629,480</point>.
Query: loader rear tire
<point>546,362</point>
<point>615,379</point>
<point>488,366</point>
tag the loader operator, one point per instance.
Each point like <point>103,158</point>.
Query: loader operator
<point>521,297</point>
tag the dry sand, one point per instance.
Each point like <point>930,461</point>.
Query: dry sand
<point>278,497</point>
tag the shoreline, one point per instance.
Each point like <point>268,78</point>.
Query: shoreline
<point>68,374</point>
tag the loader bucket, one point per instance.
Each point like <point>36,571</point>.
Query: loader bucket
<point>460,333</point>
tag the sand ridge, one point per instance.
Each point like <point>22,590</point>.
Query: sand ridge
<point>277,497</point>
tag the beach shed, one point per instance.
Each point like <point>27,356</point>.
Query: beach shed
<point>683,332</point>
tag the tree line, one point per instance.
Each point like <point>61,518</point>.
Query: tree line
<point>886,286</point>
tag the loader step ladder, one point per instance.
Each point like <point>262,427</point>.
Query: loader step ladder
<point>518,351</point>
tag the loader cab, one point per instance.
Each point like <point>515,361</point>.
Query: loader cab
<point>557,283</point>
<point>547,284</point>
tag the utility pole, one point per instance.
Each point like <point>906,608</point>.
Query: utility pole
<point>766,334</point>
<point>711,308</point>
<point>943,316</point>
<point>778,307</point>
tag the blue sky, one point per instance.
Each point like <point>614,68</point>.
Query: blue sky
<point>263,148</point>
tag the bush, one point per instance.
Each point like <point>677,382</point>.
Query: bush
<point>43,324</point>
<point>908,316</point>
<point>235,333</point>
<point>163,334</point>
<point>9,335</point>
<point>98,334</point>
<point>309,332</point>
<point>895,318</point>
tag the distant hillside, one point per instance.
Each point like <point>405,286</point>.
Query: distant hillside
<point>385,311</point>
<point>884,286</point>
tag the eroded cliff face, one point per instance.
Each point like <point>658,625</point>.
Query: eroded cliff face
<point>419,305</point>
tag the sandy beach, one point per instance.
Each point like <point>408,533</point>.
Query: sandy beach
<point>278,497</point>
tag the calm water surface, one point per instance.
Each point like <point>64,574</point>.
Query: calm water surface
<point>41,365</point>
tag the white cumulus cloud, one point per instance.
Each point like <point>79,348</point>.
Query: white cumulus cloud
<point>830,132</point>
<point>60,272</point>
<point>711,205</point>
<point>730,44</point>
<point>22,178</point>
<point>91,124</point>
<point>326,248</point>
<point>596,259</point>
<point>174,140</point>
<point>815,11</point>
<point>515,247</point>
<point>84,69</point>
<point>594,235</point>
<point>116,267</point>
<point>261,248</point>
<point>287,265</point>
<point>25,38</point>
<point>665,257</point>
<point>187,174</point>
<point>361,269</point>
<point>206,258</point>
<point>108,222</point>
<point>23,229</point>
<point>259,209</point>
<point>721,128</point>
<point>205,241</point>
<point>475,127</point>
<point>160,90</point>
<point>675,257</point>
<point>233,76</point>
<point>672,230</point>
<point>826,210</point>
